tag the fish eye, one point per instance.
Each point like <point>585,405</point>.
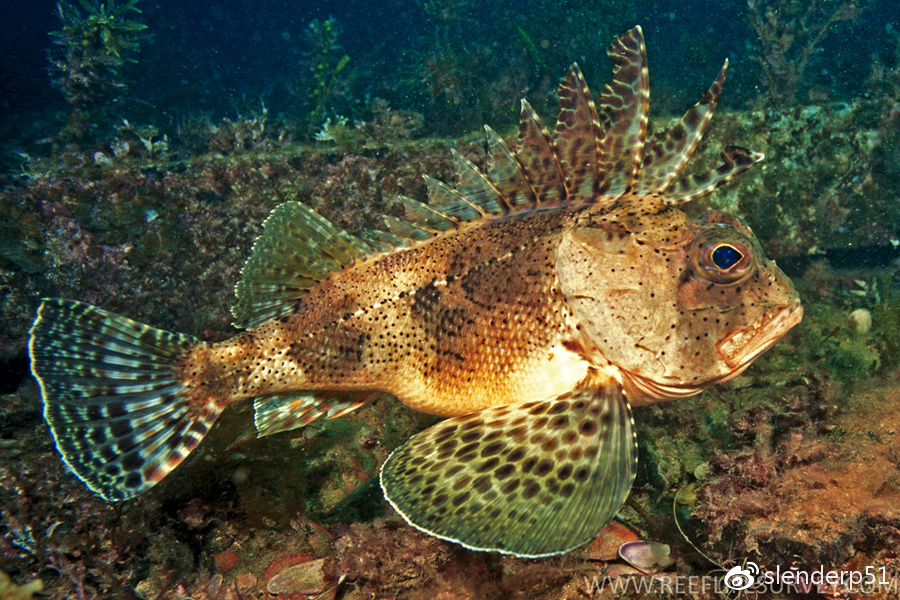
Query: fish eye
<point>726,256</point>
<point>722,255</point>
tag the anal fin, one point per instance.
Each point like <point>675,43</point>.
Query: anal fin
<point>530,479</point>
<point>276,414</point>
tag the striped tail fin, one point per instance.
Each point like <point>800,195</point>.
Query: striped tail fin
<point>112,396</point>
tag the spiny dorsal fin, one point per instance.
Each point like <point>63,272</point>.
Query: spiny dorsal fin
<point>736,161</point>
<point>297,249</point>
<point>540,163</point>
<point>596,154</point>
<point>506,173</point>
<point>666,155</point>
<point>577,137</point>
<point>623,108</point>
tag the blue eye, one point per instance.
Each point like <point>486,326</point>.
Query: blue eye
<point>725,256</point>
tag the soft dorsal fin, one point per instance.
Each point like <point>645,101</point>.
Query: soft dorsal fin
<point>297,249</point>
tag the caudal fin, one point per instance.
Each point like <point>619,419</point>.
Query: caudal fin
<point>112,397</point>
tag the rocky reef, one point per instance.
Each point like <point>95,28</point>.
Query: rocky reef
<point>797,462</point>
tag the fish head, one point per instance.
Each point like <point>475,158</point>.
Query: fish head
<point>672,305</point>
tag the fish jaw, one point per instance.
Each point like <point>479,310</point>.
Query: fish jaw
<point>737,350</point>
<point>743,345</point>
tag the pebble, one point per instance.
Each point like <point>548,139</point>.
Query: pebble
<point>306,578</point>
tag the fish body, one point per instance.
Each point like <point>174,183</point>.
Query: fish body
<point>532,304</point>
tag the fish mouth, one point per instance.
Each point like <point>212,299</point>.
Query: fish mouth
<point>737,350</point>
<point>742,346</point>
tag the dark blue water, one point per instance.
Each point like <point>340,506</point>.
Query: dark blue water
<point>224,58</point>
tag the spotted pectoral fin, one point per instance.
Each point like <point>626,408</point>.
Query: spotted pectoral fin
<point>275,414</point>
<point>530,479</point>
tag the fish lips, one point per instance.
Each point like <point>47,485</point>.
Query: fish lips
<point>744,344</point>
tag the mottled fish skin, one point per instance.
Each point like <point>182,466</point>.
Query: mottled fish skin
<point>532,304</point>
<point>457,324</point>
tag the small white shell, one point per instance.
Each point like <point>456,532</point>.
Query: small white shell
<point>646,556</point>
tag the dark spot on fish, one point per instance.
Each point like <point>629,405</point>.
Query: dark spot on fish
<point>460,499</point>
<point>587,427</point>
<point>530,489</point>
<point>466,452</point>
<point>504,471</point>
<point>543,468</point>
<point>516,455</point>
<point>482,484</point>
<point>529,464</point>
<point>539,409</point>
<point>488,465</point>
<point>492,448</point>
<point>581,474</point>
<point>120,429</point>
<point>132,461</point>
<point>116,409</point>
<point>511,486</point>
<point>108,453</point>
<point>559,422</point>
<point>558,407</point>
<point>462,483</point>
<point>447,446</point>
<point>470,436</point>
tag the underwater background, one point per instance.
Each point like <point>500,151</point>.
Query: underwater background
<point>142,145</point>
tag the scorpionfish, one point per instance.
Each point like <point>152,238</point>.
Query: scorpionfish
<point>532,305</point>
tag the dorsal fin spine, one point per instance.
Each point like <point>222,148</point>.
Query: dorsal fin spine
<point>534,150</point>
<point>507,174</point>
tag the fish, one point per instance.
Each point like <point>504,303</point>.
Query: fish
<point>533,304</point>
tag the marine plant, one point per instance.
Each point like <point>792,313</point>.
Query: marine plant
<point>325,71</point>
<point>95,42</point>
<point>790,35</point>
